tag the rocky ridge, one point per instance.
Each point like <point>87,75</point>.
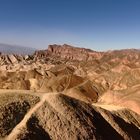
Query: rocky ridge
<point>57,116</point>
<point>68,52</point>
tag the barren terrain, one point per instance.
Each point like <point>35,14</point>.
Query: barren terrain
<point>66,93</point>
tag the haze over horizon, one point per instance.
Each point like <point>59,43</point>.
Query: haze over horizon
<point>96,24</point>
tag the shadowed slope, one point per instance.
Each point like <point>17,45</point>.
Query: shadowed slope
<point>57,116</point>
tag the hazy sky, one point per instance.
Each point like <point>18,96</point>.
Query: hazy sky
<point>96,24</point>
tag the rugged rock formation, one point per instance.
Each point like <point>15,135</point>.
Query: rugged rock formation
<point>69,53</point>
<point>70,93</point>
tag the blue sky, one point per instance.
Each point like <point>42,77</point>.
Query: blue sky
<point>96,24</point>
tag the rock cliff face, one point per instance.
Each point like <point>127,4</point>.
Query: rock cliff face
<point>69,53</point>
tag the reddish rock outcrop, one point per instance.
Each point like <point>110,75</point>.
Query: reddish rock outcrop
<point>68,52</point>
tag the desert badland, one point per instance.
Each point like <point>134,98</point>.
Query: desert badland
<point>70,93</point>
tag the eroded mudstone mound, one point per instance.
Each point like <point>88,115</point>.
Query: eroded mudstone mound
<point>58,117</point>
<point>13,108</point>
<point>85,92</point>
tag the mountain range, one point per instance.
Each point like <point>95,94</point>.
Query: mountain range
<point>15,49</point>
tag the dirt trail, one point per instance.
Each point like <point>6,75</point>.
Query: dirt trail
<point>23,123</point>
<point>108,106</point>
